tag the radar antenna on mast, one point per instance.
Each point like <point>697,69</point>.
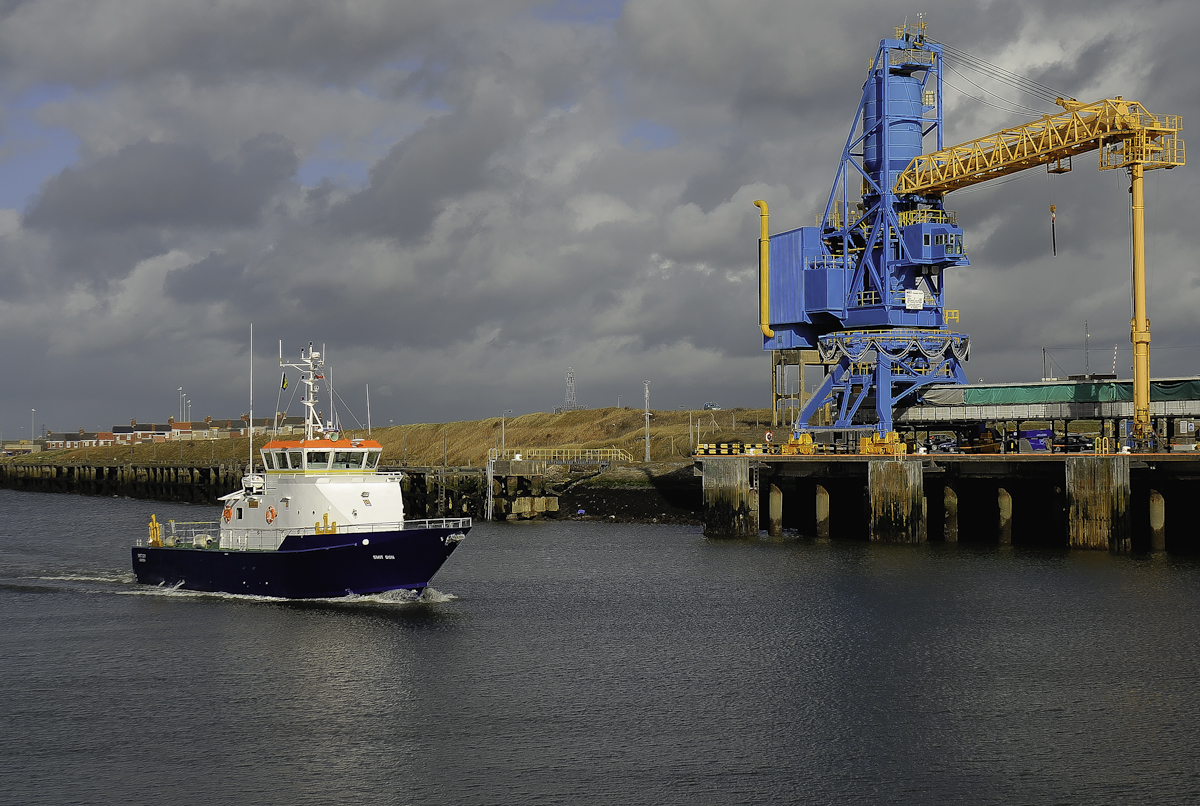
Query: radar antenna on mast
<point>311,366</point>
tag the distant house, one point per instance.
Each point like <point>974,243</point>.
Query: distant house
<point>80,439</point>
<point>137,432</point>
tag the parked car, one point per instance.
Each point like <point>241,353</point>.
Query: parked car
<point>942,445</point>
<point>710,406</point>
<point>1074,443</point>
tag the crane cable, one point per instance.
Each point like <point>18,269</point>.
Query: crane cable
<point>1000,74</point>
<point>1016,107</point>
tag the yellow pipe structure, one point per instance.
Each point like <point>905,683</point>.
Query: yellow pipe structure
<point>764,264</point>
<point>1126,135</point>
<point>1139,326</point>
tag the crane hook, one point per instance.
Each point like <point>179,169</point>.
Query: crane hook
<point>1053,237</point>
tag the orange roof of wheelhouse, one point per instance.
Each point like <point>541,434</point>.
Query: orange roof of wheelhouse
<point>321,443</point>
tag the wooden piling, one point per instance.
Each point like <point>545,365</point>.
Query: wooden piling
<point>896,493</point>
<point>1098,502</point>
<point>730,499</point>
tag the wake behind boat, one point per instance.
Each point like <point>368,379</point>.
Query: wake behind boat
<point>319,521</point>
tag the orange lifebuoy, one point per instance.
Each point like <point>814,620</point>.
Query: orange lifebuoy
<point>271,514</point>
<point>227,514</point>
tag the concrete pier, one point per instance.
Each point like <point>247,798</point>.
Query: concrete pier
<point>1158,521</point>
<point>1005,503</point>
<point>775,512</point>
<point>897,494</point>
<point>822,511</point>
<point>950,524</point>
<point>1111,502</point>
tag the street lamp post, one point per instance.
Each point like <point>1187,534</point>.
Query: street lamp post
<point>181,402</point>
<point>31,413</point>
<point>647,459</point>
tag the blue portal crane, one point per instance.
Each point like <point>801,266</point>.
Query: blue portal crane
<point>864,287</point>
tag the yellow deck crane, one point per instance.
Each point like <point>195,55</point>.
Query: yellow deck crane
<point>1126,135</point>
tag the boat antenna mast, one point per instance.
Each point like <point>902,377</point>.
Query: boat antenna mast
<point>310,366</point>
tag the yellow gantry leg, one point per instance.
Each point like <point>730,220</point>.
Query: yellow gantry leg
<point>1140,325</point>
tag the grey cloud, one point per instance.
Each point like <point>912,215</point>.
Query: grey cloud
<point>165,185</point>
<point>445,158</point>
<point>209,280</point>
<point>108,40</point>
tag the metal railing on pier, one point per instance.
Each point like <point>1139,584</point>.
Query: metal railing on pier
<point>562,455</point>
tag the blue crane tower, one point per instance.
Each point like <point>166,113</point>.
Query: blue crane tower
<point>865,287</point>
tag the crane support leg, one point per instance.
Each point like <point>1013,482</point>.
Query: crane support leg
<point>1140,325</point>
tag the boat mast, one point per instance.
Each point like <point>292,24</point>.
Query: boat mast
<point>311,362</point>
<point>250,429</point>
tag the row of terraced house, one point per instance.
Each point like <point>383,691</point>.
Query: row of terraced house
<point>137,433</point>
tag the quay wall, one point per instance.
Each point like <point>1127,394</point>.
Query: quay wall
<point>1121,503</point>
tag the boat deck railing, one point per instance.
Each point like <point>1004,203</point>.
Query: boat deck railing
<point>208,534</point>
<point>196,534</point>
<point>438,523</point>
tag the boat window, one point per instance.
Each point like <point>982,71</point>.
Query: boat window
<point>373,459</point>
<point>347,460</point>
<point>294,458</point>
<point>318,460</point>
<point>280,460</point>
<point>268,460</point>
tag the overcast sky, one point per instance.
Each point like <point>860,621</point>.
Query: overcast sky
<point>461,199</point>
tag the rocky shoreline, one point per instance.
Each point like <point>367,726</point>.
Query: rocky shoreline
<point>661,492</point>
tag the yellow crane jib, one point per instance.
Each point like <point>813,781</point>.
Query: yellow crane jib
<point>1123,131</point>
<point>155,532</point>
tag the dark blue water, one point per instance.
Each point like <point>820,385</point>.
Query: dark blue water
<point>592,663</point>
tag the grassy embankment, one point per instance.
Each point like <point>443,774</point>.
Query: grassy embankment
<point>467,442</point>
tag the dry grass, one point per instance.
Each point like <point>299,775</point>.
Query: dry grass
<point>467,442</point>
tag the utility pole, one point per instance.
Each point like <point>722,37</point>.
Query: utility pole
<point>689,429</point>
<point>647,383</point>
<point>502,443</point>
